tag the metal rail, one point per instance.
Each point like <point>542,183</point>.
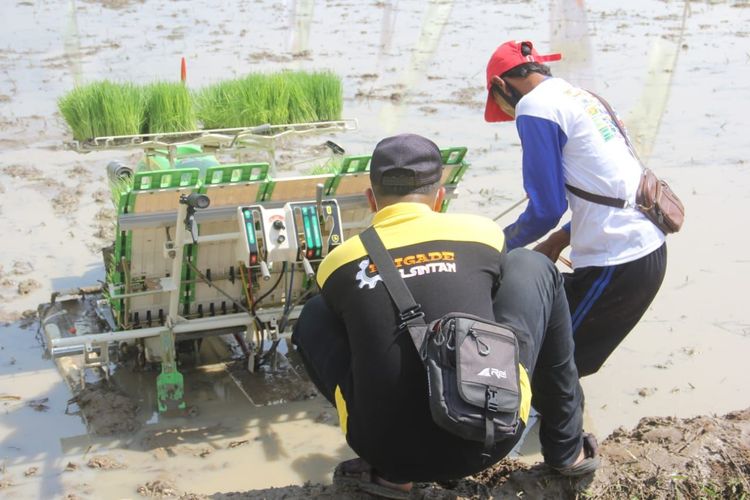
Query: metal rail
<point>226,139</point>
<point>65,345</point>
<point>127,222</point>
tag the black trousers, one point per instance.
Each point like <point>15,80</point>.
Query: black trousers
<point>607,302</point>
<point>531,300</point>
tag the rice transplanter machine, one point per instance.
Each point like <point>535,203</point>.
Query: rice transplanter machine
<point>205,248</point>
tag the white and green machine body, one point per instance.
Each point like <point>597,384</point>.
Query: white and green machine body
<point>205,247</point>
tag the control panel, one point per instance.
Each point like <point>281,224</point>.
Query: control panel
<point>303,231</point>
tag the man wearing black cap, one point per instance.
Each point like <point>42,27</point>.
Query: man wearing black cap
<point>451,263</point>
<point>573,149</point>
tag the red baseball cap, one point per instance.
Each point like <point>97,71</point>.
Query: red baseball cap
<point>506,57</point>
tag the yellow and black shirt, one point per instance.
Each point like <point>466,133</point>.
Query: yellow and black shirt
<point>450,262</point>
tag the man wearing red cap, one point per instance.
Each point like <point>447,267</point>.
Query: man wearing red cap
<point>570,141</point>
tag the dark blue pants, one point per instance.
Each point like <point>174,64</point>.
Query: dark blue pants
<point>607,302</point>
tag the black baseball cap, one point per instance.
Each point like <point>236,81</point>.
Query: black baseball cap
<point>406,160</point>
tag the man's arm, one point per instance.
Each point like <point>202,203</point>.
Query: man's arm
<point>555,243</point>
<point>542,142</point>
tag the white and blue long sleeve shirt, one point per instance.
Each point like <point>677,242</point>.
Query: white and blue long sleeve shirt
<point>568,137</point>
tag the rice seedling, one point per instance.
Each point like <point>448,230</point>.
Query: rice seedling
<point>169,108</point>
<point>331,166</point>
<point>276,93</point>
<point>75,110</point>
<point>235,103</point>
<point>113,286</point>
<point>278,98</point>
<point>118,189</point>
<point>252,107</point>
<point>325,92</point>
<point>215,105</point>
<point>301,104</point>
<point>103,109</point>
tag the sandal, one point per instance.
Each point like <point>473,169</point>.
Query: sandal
<point>590,460</point>
<point>358,474</point>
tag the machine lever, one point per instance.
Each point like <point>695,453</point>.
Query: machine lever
<point>264,270</point>
<point>308,268</point>
<point>319,198</point>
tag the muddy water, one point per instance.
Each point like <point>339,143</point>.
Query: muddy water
<point>677,74</point>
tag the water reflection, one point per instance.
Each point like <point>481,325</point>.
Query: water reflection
<point>72,43</point>
<point>300,18</point>
<point>645,117</point>
<point>387,28</point>
<point>435,19</point>
<point>569,35</point>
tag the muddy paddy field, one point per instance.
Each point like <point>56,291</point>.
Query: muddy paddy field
<point>670,406</point>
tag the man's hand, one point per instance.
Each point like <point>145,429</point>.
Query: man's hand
<point>552,246</point>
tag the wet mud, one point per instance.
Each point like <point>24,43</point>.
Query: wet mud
<point>675,71</point>
<point>106,409</point>
<point>701,457</point>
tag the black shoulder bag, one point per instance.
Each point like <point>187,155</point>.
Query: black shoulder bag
<point>472,364</point>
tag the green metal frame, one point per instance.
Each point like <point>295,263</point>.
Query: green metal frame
<point>349,165</point>
<point>271,184</point>
<point>170,385</point>
<point>235,172</point>
<point>153,181</point>
<point>453,156</point>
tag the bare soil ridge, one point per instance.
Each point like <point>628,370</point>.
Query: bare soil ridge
<point>661,458</point>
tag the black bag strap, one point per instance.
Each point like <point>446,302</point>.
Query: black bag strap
<point>597,198</point>
<point>409,312</point>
